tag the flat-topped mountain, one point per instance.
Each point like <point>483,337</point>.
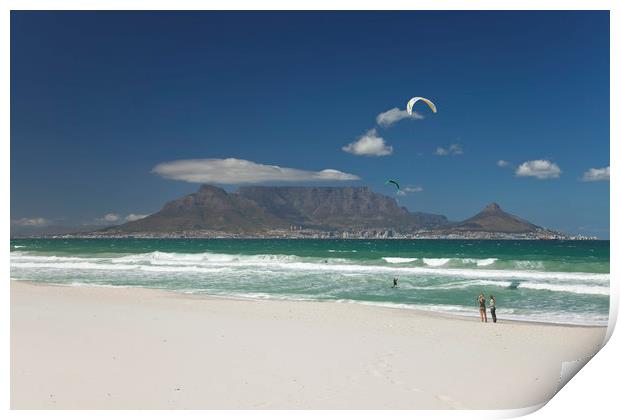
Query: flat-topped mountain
<point>337,207</point>
<point>493,219</point>
<point>256,209</point>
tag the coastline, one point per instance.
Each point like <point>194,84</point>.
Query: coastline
<point>416,311</point>
<point>96,347</point>
<point>487,236</point>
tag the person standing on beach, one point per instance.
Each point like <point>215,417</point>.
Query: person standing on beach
<point>483,307</point>
<point>492,307</point>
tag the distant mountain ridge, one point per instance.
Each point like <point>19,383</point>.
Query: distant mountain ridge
<point>260,211</point>
<point>258,208</point>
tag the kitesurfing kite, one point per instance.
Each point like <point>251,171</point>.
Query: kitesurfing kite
<point>415,99</point>
<point>391,181</point>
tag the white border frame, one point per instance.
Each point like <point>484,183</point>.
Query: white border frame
<point>590,393</point>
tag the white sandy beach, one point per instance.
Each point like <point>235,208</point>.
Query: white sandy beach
<point>119,348</point>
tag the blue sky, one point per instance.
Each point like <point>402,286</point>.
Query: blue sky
<point>100,99</point>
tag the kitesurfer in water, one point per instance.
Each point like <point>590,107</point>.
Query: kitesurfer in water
<point>394,283</point>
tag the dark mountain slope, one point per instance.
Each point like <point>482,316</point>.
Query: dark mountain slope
<point>493,219</point>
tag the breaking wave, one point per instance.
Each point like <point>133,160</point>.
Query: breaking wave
<point>435,262</point>
<point>398,260</point>
<point>212,262</point>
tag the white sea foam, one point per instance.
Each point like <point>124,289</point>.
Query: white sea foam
<point>529,265</point>
<point>435,262</point>
<point>570,288</point>
<point>24,257</point>
<point>205,258</point>
<point>398,260</point>
<point>567,288</point>
<point>479,262</point>
<point>210,262</point>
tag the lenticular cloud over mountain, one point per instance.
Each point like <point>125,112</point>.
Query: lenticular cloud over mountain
<point>239,171</point>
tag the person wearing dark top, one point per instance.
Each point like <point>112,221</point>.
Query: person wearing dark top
<point>492,307</point>
<point>483,307</point>
<point>394,283</point>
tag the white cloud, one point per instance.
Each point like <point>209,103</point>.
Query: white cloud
<point>370,144</point>
<point>239,171</point>
<point>541,169</point>
<point>409,190</point>
<point>31,222</point>
<point>108,218</point>
<point>596,174</point>
<point>114,218</point>
<point>502,163</point>
<point>133,217</point>
<point>111,217</point>
<point>453,149</point>
<point>391,116</point>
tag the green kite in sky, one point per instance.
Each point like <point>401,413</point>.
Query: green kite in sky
<point>391,181</point>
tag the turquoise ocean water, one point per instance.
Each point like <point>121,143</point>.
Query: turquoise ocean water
<point>552,281</point>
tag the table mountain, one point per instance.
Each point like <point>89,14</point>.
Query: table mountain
<point>257,208</point>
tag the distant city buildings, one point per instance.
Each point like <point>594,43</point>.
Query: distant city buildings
<point>299,232</point>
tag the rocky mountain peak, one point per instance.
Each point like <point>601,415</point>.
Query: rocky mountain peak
<point>206,189</point>
<point>493,219</point>
<point>491,208</point>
